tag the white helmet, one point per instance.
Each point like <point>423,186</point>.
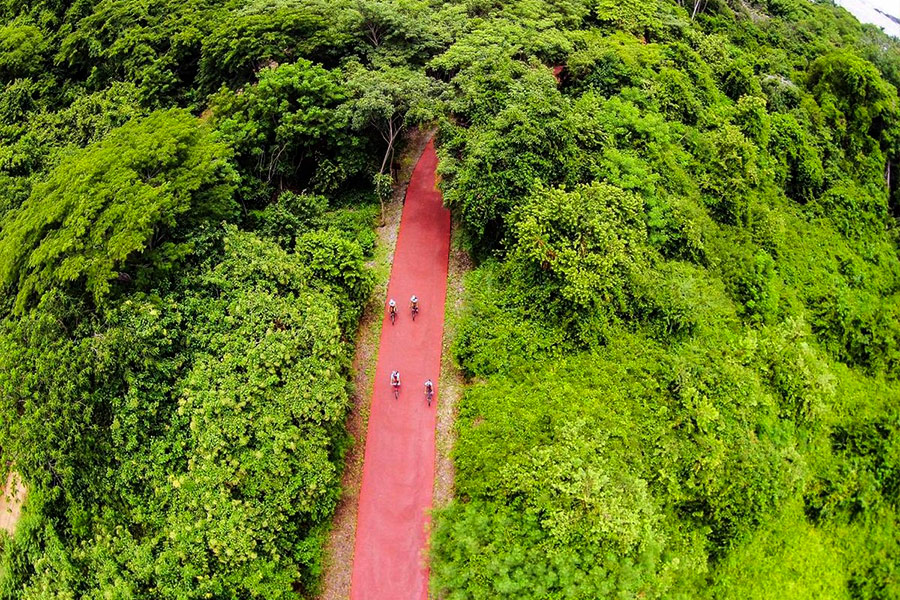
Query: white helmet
<point>392,303</point>
<point>414,299</point>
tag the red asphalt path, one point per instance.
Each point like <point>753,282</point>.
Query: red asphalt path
<point>398,472</point>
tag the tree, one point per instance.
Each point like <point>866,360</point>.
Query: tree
<point>492,166</point>
<point>118,207</point>
<point>729,172</point>
<point>859,104</point>
<point>398,31</point>
<point>581,253</point>
<point>388,100</point>
<point>286,125</point>
<point>264,33</point>
<point>629,15</point>
<point>21,47</point>
<point>798,160</point>
<point>155,45</point>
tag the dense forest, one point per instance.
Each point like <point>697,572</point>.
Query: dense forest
<point>682,336</point>
<point>684,331</point>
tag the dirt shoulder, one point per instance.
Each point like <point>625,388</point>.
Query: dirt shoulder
<point>11,501</point>
<point>339,550</point>
<point>452,383</point>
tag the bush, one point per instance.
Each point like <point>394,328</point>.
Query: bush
<point>579,253</point>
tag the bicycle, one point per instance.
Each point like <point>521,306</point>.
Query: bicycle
<point>415,311</point>
<point>393,315</point>
<point>396,391</point>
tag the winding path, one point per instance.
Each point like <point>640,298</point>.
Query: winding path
<point>398,472</point>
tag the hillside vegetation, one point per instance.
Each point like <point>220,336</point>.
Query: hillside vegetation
<point>683,333</point>
<point>186,208</point>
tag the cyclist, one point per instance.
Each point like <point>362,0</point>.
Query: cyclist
<point>392,308</point>
<point>429,390</point>
<point>414,305</point>
<point>395,382</point>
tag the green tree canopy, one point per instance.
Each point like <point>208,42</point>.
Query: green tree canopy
<point>253,35</point>
<point>284,127</point>
<point>860,105</point>
<point>388,99</point>
<point>21,50</point>
<point>121,205</point>
<point>584,248</point>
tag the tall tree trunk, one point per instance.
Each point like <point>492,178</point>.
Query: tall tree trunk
<point>697,8</point>
<point>393,131</point>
